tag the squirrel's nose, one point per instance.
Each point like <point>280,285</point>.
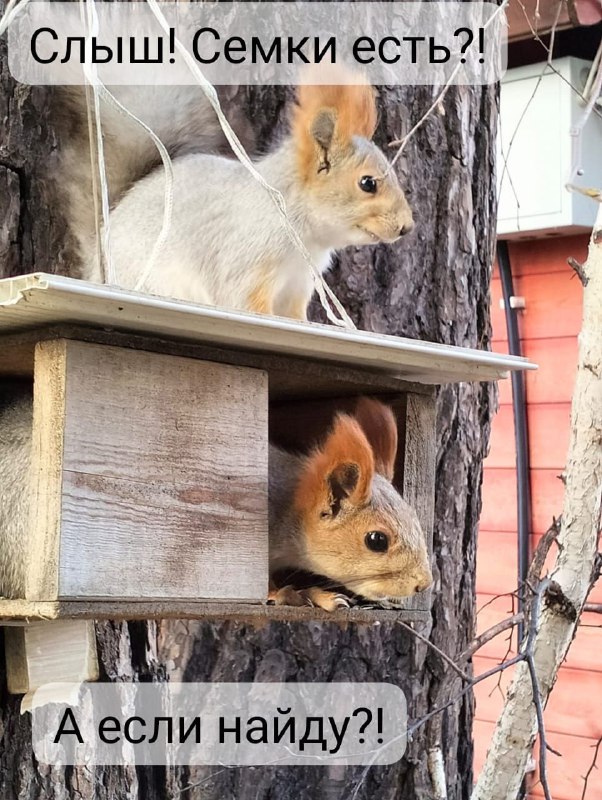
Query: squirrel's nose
<point>407,228</point>
<point>420,587</point>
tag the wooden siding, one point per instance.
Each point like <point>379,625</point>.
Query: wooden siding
<point>549,326</point>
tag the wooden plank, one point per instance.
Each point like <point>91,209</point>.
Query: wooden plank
<point>549,428</point>
<point>290,377</point>
<point>554,380</point>
<point>42,552</point>
<point>543,256</point>
<point>419,466</point>
<point>15,657</point>
<point>496,562</point>
<point>499,499</point>
<point>20,612</point>
<point>488,700</point>
<point>492,609</point>
<point>165,477</point>
<point>553,305</point>
<point>60,651</point>
<point>587,645</point>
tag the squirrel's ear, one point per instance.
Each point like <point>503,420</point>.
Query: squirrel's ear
<point>338,472</point>
<point>322,128</point>
<point>327,117</point>
<point>378,423</point>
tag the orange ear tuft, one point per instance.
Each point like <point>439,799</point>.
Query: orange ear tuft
<point>378,423</point>
<point>341,468</point>
<point>351,107</point>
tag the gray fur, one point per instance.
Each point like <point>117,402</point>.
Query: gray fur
<point>286,539</point>
<point>223,228</point>
<point>16,413</point>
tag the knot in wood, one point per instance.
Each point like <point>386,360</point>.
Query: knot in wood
<point>559,603</point>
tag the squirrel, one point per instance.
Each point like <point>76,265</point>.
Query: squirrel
<point>335,513</point>
<point>227,244</point>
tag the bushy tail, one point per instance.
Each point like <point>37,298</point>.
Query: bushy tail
<point>180,116</point>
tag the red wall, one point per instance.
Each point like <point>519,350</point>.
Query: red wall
<point>549,326</point>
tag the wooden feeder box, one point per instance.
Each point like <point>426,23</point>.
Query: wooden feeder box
<point>150,444</point>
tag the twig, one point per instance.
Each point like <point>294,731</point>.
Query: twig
<point>498,685</point>
<point>491,600</point>
<point>592,767</point>
<point>448,660</point>
<point>528,653</point>
<point>488,635</point>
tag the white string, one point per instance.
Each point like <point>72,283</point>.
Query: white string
<point>110,98</point>
<point>94,176</point>
<point>10,12</point>
<point>93,166</point>
<point>91,74</point>
<point>102,91</point>
<point>325,293</point>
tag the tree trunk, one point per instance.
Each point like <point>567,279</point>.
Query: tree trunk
<point>435,286</point>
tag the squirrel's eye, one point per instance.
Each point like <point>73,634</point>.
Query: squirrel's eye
<point>368,184</point>
<point>377,541</point>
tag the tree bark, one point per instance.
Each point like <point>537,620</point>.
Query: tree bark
<point>516,728</point>
<point>434,286</point>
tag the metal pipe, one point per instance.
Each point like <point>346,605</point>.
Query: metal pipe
<point>521,430</point>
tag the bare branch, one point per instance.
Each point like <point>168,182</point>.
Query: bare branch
<point>448,660</point>
<point>490,634</point>
<point>592,767</point>
<point>528,652</point>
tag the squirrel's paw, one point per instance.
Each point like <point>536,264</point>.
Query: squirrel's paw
<point>287,596</point>
<point>329,601</point>
<point>315,597</point>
